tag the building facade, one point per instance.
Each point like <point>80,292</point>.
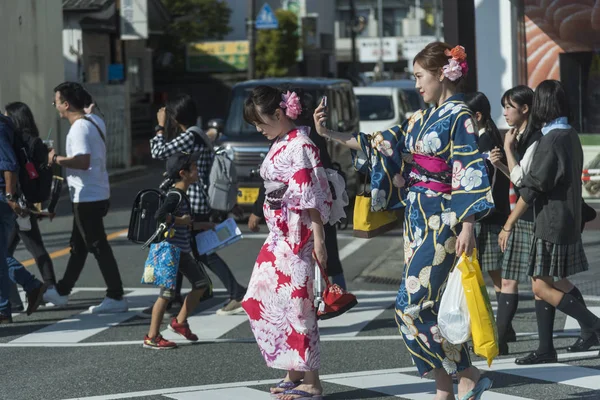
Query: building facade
<point>31,64</point>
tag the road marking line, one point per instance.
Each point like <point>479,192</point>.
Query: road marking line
<point>351,247</point>
<point>207,325</point>
<point>84,325</point>
<point>358,376</point>
<point>352,322</point>
<point>572,324</point>
<point>564,374</point>
<point>67,250</point>
<point>407,386</point>
<point>245,393</point>
<point>211,327</point>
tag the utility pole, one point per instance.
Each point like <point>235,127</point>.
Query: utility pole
<point>438,20</point>
<point>380,29</point>
<point>251,33</point>
<point>353,66</point>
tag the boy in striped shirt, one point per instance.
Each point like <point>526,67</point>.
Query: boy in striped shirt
<point>183,171</point>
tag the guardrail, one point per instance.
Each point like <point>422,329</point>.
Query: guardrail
<point>590,175</point>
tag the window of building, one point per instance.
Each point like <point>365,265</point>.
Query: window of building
<point>392,21</point>
<point>96,70</point>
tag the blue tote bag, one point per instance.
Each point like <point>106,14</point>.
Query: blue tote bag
<point>161,265</point>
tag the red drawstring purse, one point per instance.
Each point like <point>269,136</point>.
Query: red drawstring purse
<point>332,301</point>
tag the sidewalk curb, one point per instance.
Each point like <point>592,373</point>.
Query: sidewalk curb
<point>126,173</point>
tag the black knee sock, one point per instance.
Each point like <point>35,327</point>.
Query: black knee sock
<point>573,308</point>
<point>586,331</point>
<point>544,313</point>
<point>507,307</point>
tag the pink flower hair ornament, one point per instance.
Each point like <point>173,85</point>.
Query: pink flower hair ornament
<point>457,65</point>
<point>291,104</point>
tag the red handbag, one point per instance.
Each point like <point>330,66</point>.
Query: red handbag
<point>332,301</point>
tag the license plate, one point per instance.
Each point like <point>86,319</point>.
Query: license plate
<point>247,195</point>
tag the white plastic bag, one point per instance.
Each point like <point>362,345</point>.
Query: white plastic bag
<point>454,321</point>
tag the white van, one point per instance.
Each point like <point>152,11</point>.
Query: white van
<point>380,108</point>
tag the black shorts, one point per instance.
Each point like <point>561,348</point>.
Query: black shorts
<point>194,272</point>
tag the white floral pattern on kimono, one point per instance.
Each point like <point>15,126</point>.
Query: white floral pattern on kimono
<point>279,300</point>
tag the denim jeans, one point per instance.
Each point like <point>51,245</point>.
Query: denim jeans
<point>10,268</point>
<point>7,221</point>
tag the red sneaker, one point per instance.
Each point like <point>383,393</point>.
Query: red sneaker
<point>158,343</point>
<point>182,329</point>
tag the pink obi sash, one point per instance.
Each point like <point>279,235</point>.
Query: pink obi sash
<point>434,173</point>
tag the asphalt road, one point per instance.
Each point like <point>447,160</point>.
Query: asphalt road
<point>68,353</point>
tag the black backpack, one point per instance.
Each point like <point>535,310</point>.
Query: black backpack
<point>35,175</point>
<point>143,224</point>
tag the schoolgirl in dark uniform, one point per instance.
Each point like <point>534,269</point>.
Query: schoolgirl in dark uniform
<point>552,188</point>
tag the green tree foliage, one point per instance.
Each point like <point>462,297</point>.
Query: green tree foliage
<point>193,21</point>
<point>276,49</point>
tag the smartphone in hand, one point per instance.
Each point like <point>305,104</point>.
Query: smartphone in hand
<point>324,101</point>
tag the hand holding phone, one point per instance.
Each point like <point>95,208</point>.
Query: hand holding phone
<point>324,102</point>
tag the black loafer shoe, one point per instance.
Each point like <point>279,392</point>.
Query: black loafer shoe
<point>535,358</point>
<point>583,344</point>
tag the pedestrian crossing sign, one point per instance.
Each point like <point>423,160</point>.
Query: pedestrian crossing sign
<point>266,18</point>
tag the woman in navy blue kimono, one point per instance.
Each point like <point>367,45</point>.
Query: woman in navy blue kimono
<point>431,166</point>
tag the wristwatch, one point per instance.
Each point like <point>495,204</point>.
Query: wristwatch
<point>11,197</point>
<point>158,128</point>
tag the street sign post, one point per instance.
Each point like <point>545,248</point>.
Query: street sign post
<point>266,18</point>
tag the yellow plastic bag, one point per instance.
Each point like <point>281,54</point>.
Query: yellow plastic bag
<point>483,325</point>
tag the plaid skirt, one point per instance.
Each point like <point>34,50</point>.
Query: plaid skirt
<point>556,260</point>
<point>489,253</point>
<point>515,263</point>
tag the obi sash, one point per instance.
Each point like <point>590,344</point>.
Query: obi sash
<point>274,194</point>
<point>432,173</point>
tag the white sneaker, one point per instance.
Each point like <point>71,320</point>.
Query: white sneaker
<point>52,296</point>
<point>109,305</point>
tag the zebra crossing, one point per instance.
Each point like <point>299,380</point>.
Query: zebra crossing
<point>80,328</point>
<point>576,375</point>
<point>400,383</point>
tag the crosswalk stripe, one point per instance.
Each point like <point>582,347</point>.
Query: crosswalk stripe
<point>245,393</point>
<point>407,386</point>
<point>564,374</point>
<point>84,325</point>
<point>370,306</point>
<point>571,323</point>
<point>394,382</point>
<point>208,325</point>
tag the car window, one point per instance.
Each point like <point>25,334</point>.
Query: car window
<point>413,99</point>
<point>345,106</point>
<point>375,107</point>
<point>350,104</point>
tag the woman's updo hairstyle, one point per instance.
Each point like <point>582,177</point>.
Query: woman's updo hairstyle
<point>267,99</point>
<point>434,57</point>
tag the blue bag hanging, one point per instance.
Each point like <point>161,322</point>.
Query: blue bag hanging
<point>161,265</point>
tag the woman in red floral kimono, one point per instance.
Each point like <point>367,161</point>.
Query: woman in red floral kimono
<point>279,300</point>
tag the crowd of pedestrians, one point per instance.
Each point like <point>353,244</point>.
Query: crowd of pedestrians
<point>448,166</point>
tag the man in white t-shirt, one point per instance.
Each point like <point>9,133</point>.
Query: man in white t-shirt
<point>89,190</point>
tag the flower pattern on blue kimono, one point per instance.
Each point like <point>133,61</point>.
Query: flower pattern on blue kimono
<point>430,218</point>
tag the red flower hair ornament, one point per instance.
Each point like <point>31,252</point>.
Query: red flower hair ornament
<point>457,64</point>
<point>291,104</point>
